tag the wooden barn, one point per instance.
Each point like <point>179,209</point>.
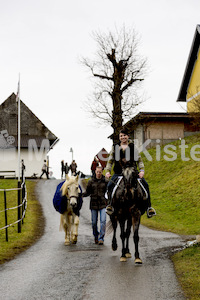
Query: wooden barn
<point>160,126</point>
<point>36,139</point>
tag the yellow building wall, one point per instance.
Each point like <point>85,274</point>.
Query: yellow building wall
<point>193,92</point>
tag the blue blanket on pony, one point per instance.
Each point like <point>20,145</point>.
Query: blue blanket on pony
<point>60,202</point>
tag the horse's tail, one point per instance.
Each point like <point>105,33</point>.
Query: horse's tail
<point>109,227</point>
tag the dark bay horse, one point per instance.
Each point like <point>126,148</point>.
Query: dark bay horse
<point>127,201</point>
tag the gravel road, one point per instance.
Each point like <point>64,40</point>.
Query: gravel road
<point>51,270</point>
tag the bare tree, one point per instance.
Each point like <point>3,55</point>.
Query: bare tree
<point>118,71</point>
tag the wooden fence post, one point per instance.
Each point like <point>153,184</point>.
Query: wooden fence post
<point>6,219</point>
<point>19,207</point>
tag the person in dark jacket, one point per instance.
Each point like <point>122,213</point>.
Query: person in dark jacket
<point>62,168</point>
<point>66,168</point>
<point>73,168</point>
<point>96,189</point>
<point>94,164</point>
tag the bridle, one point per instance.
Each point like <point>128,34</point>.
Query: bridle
<point>72,197</point>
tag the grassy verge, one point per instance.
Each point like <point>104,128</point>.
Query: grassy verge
<point>175,191</point>
<point>33,225</point>
<point>187,266</point>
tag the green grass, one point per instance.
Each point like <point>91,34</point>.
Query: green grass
<point>32,227</point>
<point>187,266</point>
<point>175,194</point>
<point>175,191</point>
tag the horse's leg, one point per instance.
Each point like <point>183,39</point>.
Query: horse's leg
<point>123,236</point>
<point>75,229</point>
<point>70,226</point>
<point>65,220</point>
<point>128,232</point>
<point>136,224</point>
<point>114,240</point>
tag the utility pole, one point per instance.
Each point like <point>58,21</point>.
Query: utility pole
<point>71,150</point>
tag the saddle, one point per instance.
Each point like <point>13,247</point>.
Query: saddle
<point>118,180</point>
<point>144,191</point>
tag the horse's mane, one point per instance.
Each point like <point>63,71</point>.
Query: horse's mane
<point>68,181</point>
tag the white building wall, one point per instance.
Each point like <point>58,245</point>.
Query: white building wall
<point>33,160</point>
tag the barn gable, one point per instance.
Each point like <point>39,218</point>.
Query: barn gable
<point>31,126</point>
<point>35,139</point>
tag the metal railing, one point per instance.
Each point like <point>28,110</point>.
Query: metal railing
<point>20,207</point>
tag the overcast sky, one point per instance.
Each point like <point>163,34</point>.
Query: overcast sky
<point>43,40</point>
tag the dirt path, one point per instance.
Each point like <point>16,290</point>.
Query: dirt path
<point>50,270</point>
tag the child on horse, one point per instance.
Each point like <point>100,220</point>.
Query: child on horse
<point>125,152</point>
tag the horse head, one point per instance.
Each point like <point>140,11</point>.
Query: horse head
<point>71,190</point>
<point>130,175</point>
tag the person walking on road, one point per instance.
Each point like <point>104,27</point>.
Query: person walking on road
<point>45,170</point>
<point>96,189</point>
<point>66,168</point>
<point>73,168</point>
<point>62,168</point>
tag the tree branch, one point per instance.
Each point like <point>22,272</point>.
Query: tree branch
<point>103,77</point>
<point>130,83</point>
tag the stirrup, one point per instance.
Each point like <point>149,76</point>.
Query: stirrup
<point>151,212</point>
<point>109,210</point>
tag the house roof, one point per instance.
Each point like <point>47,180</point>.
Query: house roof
<point>144,117</point>
<point>102,156</point>
<point>189,66</point>
<point>31,126</point>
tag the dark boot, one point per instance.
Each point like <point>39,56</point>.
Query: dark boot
<point>109,208</point>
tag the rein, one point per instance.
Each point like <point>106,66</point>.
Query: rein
<point>68,198</point>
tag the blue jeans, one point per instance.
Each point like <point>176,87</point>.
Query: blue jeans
<point>94,213</point>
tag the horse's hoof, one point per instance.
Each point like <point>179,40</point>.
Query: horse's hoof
<point>67,242</point>
<point>123,259</point>
<point>138,261</point>
<point>114,247</point>
<point>74,240</point>
<point>128,255</point>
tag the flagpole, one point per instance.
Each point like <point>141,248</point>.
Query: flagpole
<point>19,128</point>
<point>19,146</point>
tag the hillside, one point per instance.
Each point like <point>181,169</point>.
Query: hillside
<point>173,174</point>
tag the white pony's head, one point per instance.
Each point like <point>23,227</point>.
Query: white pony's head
<point>71,190</point>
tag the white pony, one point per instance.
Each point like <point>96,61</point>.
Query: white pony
<point>69,220</point>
